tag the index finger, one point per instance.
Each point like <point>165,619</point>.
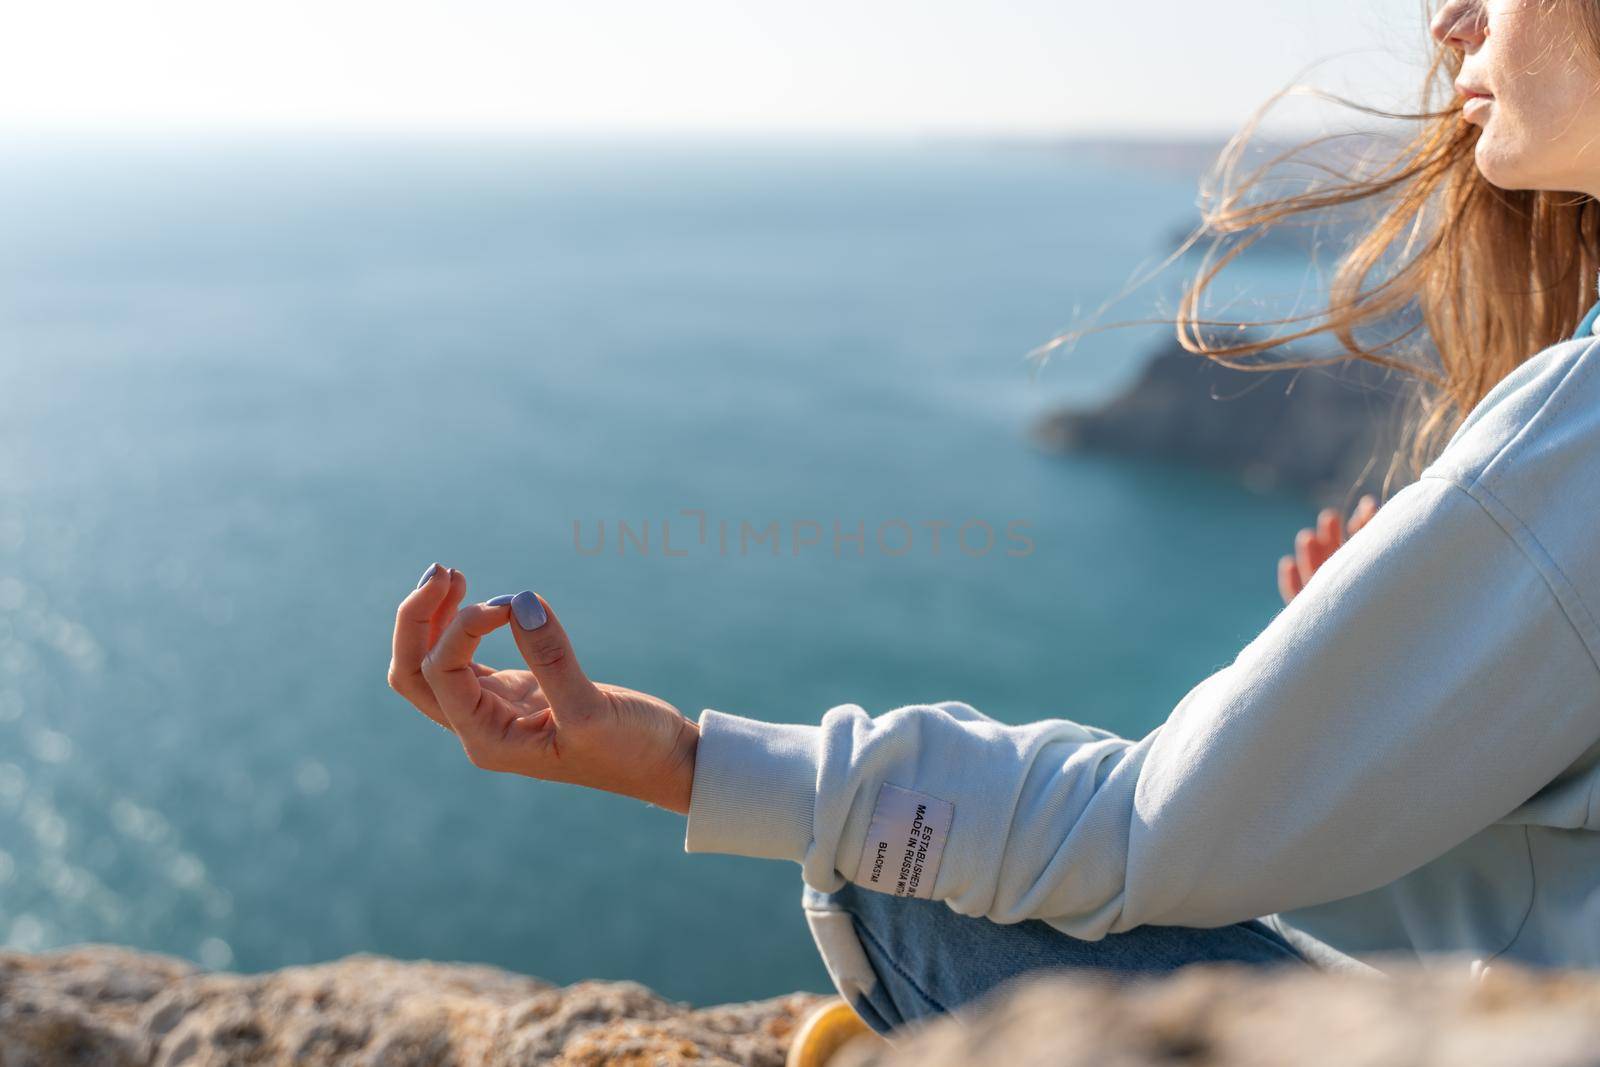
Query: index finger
<point>449,669</point>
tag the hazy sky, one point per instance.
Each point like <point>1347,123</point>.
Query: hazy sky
<point>815,65</point>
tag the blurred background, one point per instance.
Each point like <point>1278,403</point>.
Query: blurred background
<point>298,298</point>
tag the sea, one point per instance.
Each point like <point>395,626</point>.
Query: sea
<point>751,413</point>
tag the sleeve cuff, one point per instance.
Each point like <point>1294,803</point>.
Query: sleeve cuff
<point>755,787</point>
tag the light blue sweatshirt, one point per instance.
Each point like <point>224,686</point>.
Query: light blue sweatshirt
<point>1403,763</point>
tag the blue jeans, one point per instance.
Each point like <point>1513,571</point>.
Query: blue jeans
<point>896,959</point>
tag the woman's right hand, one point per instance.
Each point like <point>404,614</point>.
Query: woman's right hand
<point>1313,547</point>
<point>548,721</point>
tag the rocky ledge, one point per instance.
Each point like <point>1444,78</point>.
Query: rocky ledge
<point>99,1005</point>
<point>1232,1016</point>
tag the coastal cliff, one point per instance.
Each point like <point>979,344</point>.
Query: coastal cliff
<point>102,1006</point>
<point>1316,430</point>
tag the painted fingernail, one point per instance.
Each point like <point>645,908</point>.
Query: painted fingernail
<point>500,601</point>
<point>433,568</point>
<point>529,612</point>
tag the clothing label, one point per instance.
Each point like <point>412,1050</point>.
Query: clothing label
<point>905,842</point>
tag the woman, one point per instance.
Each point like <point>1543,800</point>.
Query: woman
<point>1402,764</point>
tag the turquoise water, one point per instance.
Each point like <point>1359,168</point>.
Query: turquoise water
<point>251,389</point>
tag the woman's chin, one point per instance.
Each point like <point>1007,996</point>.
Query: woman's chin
<point>1493,164</point>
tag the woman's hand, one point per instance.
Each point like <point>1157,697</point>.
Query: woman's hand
<point>549,721</point>
<point>1313,547</point>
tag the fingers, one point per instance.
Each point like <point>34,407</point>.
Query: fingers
<point>548,652</point>
<point>1367,508</point>
<point>447,610</point>
<point>1312,547</point>
<point>413,636</point>
<point>1289,583</point>
<point>454,678</point>
<point>1330,531</point>
<point>1305,555</point>
<point>413,639</point>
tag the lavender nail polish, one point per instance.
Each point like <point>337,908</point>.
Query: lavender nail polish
<point>500,601</point>
<point>433,568</point>
<point>529,612</point>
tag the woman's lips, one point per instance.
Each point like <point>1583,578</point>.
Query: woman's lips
<point>1476,104</point>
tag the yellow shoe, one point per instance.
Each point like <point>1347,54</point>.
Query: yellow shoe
<point>825,1031</point>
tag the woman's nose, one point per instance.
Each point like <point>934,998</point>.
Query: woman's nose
<point>1459,24</point>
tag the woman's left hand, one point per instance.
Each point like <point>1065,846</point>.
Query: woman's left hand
<point>549,721</point>
<point>1313,547</point>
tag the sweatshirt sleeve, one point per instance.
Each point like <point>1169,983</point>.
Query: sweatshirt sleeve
<point>1423,684</point>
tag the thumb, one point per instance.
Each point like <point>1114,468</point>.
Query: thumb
<point>548,651</point>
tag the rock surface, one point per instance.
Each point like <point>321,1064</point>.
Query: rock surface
<point>101,1006</point>
<point>1239,1017</point>
<point>98,1006</point>
<point>1309,429</point>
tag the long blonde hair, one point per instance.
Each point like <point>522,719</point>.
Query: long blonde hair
<point>1493,276</point>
